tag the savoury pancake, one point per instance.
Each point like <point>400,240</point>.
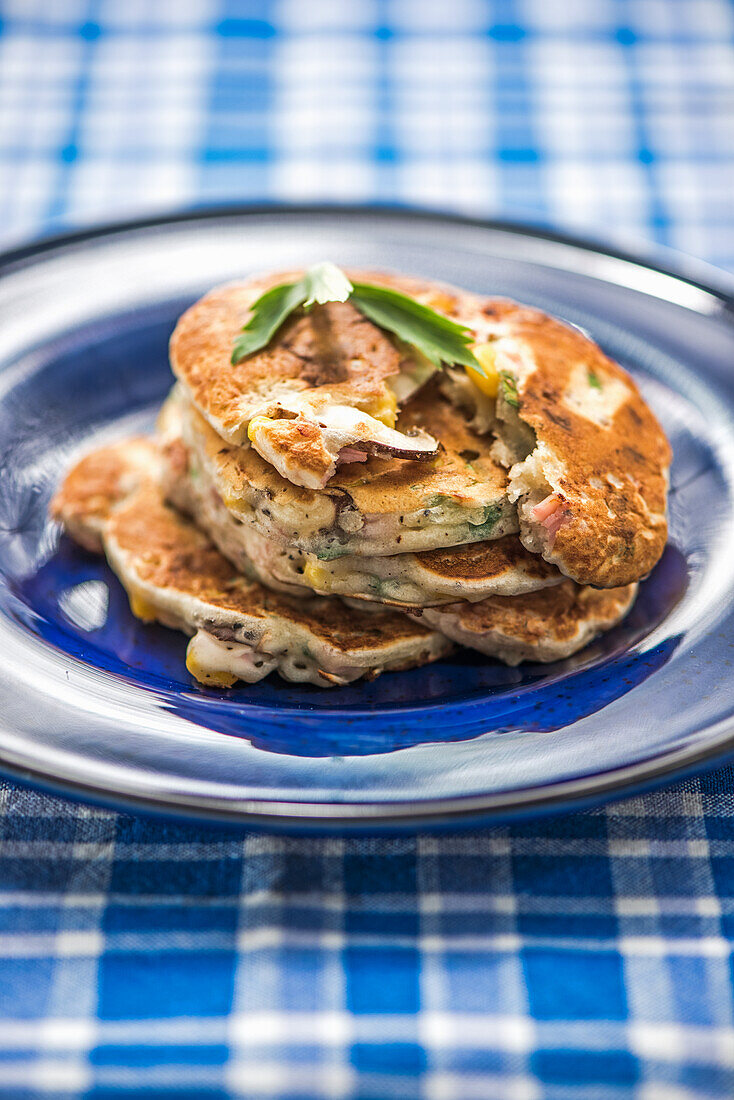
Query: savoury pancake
<point>588,459</point>
<point>473,572</point>
<point>241,630</point>
<point>317,391</point>
<point>540,626</point>
<point>591,461</point>
<point>383,506</point>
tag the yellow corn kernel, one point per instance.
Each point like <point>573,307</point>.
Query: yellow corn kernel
<point>385,409</point>
<point>207,676</point>
<point>256,424</point>
<point>489,385</point>
<point>142,608</point>
<point>314,574</point>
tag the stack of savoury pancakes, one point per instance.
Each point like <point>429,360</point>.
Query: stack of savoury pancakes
<point>336,502</point>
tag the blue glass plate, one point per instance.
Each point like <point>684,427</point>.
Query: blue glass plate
<point>95,702</point>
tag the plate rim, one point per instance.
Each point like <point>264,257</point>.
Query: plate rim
<point>564,796</point>
<point>569,796</point>
<point>661,259</point>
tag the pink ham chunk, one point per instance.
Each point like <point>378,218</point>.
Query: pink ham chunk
<point>351,454</point>
<point>552,514</point>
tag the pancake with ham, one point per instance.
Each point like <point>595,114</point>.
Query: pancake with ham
<point>382,506</point>
<point>318,396</point>
<point>239,629</point>
<point>496,567</point>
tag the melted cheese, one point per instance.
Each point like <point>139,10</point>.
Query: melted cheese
<point>212,661</point>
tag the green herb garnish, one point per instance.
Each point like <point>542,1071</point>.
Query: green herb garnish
<point>435,336</point>
<point>439,339</point>
<point>321,283</point>
<point>594,380</point>
<point>509,389</point>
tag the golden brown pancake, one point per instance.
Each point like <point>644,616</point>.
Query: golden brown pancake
<point>240,629</point>
<point>502,566</point>
<point>589,461</point>
<point>540,626</point>
<point>307,399</point>
<point>353,363</point>
<point>592,491</point>
<point>96,484</point>
<point>382,506</point>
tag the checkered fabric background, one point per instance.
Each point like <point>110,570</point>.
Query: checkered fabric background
<point>575,958</point>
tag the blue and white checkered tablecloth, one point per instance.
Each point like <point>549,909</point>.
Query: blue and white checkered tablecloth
<point>578,958</point>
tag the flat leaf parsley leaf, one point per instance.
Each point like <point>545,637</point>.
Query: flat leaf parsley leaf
<point>440,340</point>
<point>321,283</point>
<point>435,336</point>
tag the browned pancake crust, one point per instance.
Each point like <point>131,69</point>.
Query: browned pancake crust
<point>480,560</point>
<point>552,614</point>
<point>619,468</point>
<point>93,487</point>
<point>167,551</point>
<point>334,349</point>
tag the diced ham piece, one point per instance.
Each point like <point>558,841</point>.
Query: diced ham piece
<point>541,512</point>
<point>351,454</point>
<point>552,514</point>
